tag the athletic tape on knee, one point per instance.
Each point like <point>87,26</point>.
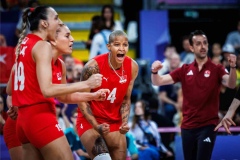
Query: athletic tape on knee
<point>103,156</point>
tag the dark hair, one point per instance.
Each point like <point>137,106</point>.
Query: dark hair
<point>112,19</point>
<point>31,17</point>
<point>195,33</point>
<point>97,23</point>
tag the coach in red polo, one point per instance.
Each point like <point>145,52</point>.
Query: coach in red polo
<point>201,82</point>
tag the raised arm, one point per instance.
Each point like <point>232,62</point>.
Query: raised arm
<point>230,80</point>
<point>126,104</point>
<point>43,57</point>
<point>158,80</point>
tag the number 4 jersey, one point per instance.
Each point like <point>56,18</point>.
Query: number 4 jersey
<point>109,110</point>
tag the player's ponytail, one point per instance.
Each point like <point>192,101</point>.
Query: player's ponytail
<point>24,29</point>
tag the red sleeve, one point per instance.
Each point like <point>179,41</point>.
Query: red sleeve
<point>176,74</point>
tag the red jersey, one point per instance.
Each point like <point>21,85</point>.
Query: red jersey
<point>201,91</point>
<point>109,110</point>
<point>25,87</point>
<point>57,71</point>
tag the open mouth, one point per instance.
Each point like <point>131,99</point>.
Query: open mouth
<point>119,55</point>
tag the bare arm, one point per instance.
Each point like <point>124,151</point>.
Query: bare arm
<point>158,80</point>
<point>90,68</point>
<point>125,108</point>
<point>79,96</point>
<point>227,121</point>
<point>9,84</point>
<point>43,57</point>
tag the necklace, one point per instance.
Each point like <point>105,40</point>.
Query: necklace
<point>122,78</point>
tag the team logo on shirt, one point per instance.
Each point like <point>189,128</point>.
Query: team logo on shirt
<point>105,79</point>
<point>207,73</point>
<point>59,76</point>
<point>190,73</point>
<point>123,79</point>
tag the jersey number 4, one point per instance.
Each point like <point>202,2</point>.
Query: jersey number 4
<point>112,96</point>
<point>19,77</point>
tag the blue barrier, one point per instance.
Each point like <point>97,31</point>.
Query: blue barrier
<point>226,148</point>
<point>4,154</point>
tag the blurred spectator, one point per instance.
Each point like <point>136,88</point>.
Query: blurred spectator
<point>94,30</point>
<point>71,134</point>
<point>186,56</point>
<point>216,53</point>
<point>100,41</point>
<point>169,50</point>
<point>145,131</point>
<point>77,70</point>
<point>226,51</point>
<point>131,147</point>
<point>69,62</point>
<point>3,42</point>
<point>233,38</point>
<point>226,94</point>
<point>31,3</point>
<point>107,15</point>
<point>162,121</point>
<point>168,93</point>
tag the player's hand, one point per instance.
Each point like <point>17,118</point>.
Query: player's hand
<point>232,60</point>
<point>156,66</point>
<point>226,122</point>
<point>124,128</point>
<point>13,112</point>
<point>100,95</point>
<point>94,81</point>
<point>103,129</point>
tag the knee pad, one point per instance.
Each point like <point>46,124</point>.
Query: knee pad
<point>103,156</point>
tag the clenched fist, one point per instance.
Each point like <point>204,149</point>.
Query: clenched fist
<point>94,81</point>
<point>100,95</point>
<point>156,66</point>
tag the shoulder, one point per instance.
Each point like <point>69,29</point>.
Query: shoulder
<point>43,47</point>
<point>133,63</point>
<point>90,68</point>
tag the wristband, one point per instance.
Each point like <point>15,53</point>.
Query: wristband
<point>154,72</point>
<point>234,66</point>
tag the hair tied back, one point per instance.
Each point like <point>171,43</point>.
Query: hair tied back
<point>32,9</point>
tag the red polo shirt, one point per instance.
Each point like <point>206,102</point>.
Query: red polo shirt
<point>200,93</point>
